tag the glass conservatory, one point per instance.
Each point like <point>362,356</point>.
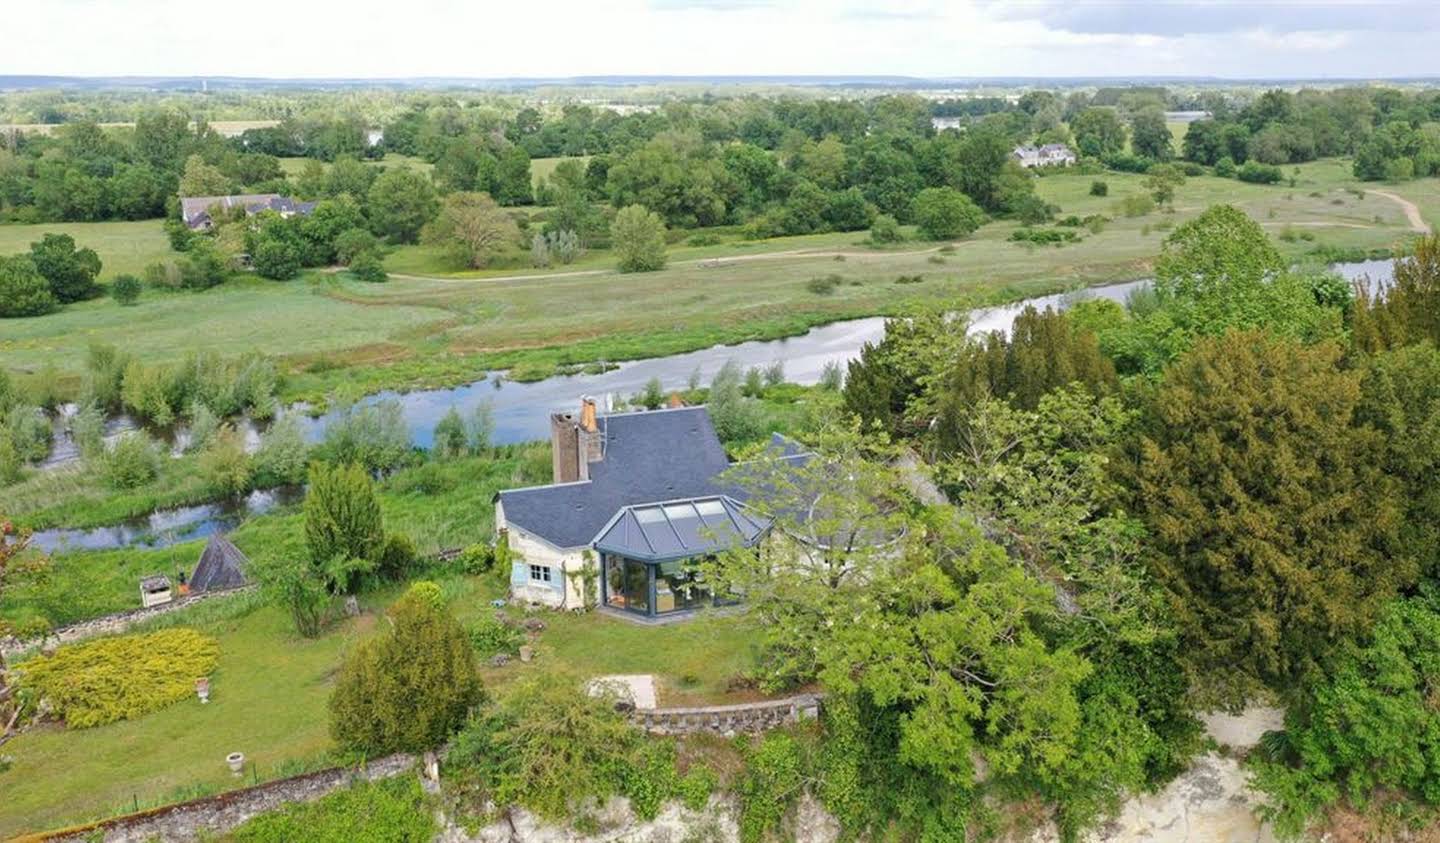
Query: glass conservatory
<point>651,553</point>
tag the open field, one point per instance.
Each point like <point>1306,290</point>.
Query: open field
<point>293,167</point>
<point>431,328</point>
<point>270,692</point>
<point>123,246</point>
<point>543,167</point>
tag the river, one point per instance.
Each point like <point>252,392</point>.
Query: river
<point>521,410</point>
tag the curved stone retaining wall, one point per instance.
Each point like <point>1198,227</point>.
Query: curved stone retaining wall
<point>728,719</point>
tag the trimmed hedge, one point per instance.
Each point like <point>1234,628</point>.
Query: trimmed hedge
<point>121,678</point>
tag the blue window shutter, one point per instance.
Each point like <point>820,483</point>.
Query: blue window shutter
<point>519,574</point>
<point>557,579</point>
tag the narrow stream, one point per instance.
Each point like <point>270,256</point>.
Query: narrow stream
<point>165,527</point>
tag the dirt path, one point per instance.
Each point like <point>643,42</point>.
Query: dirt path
<point>701,262</point>
<point>1412,211</point>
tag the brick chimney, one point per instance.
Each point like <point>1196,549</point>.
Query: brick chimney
<point>564,448</point>
<point>575,442</point>
<point>592,448</point>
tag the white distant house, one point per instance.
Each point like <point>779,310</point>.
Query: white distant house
<point>1049,155</point>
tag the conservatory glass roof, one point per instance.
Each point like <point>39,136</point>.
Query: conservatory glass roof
<point>681,528</point>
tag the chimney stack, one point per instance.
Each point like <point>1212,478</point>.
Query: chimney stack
<point>575,442</point>
<point>590,439</point>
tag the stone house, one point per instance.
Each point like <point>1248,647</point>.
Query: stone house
<point>637,498</point>
<point>1049,155</point>
<point>197,211</point>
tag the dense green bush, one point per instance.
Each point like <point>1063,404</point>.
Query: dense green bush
<point>121,678</point>
<point>344,531</point>
<point>133,460</point>
<point>772,782</point>
<point>823,285</point>
<point>373,435</point>
<point>1370,722</point>
<point>408,689</point>
<point>943,213</point>
<point>492,636</point>
<point>368,267</point>
<point>226,467</point>
<point>23,290</point>
<point>1099,188</point>
<point>125,289</point>
<point>885,230</point>
<point>1043,236</point>
<point>1257,173</point>
<point>695,787</point>
<point>397,557</point>
<point>545,745</point>
<point>283,455</point>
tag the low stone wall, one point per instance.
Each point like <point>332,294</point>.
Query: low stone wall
<point>218,814</point>
<point>728,719</point>
<point>112,624</point>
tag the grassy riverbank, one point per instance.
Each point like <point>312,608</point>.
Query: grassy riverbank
<point>426,329</point>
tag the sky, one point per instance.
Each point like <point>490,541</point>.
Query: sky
<point>562,38</point>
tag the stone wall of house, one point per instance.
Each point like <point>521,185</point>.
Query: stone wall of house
<point>728,720</point>
<point>218,814</point>
<point>112,624</point>
<point>562,590</point>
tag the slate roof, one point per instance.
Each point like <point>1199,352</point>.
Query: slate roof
<point>678,529</point>
<point>196,209</point>
<point>652,456</point>
<point>221,566</point>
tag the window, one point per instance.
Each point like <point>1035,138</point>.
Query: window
<point>539,573</point>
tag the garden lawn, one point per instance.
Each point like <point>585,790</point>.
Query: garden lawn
<point>693,660</point>
<point>268,701</point>
<point>124,247</point>
<point>269,697</point>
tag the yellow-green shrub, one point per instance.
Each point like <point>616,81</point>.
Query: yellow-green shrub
<point>111,679</point>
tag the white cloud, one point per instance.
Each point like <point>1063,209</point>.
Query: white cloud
<point>460,38</point>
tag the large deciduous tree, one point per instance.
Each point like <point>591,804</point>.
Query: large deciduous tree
<point>1098,131</point>
<point>944,213</point>
<point>70,271</point>
<point>1150,137</point>
<point>400,202</point>
<point>202,179</point>
<point>471,228</point>
<point>638,237</point>
<point>1273,524</point>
